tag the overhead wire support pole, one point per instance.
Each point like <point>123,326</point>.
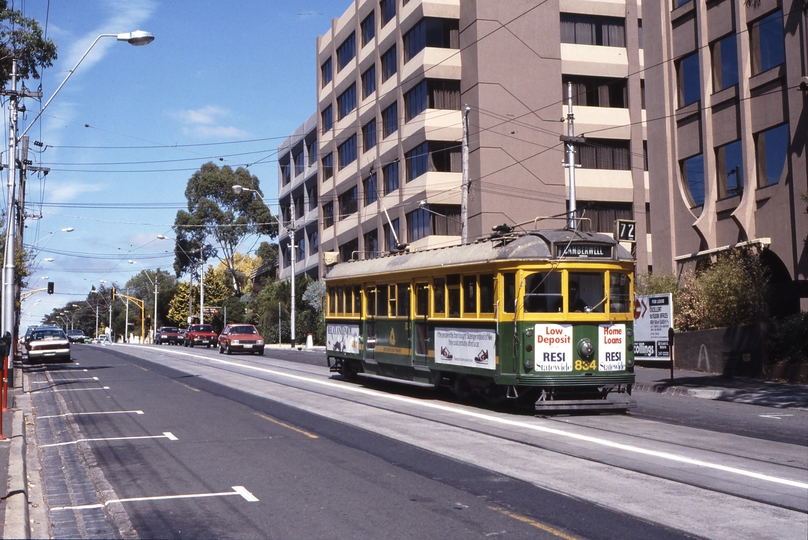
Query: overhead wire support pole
<point>8,264</point>
<point>464,194</point>
<point>571,140</point>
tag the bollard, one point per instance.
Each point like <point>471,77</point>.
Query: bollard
<point>309,342</point>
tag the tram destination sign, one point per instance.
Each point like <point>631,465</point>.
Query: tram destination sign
<point>584,251</point>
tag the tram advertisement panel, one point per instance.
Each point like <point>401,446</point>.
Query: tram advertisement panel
<point>553,347</point>
<point>612,347</point>
<point>464,347</point>
<point>342,338</point>
<point>653,317</point>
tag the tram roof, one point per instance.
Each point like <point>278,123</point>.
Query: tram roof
<point>530,246</point>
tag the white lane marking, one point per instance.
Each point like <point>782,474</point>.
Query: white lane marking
<point>81,389</point>
<point>237,490</point>
<point>774,415</point>
<point>504,421</point>
<point>89,413</point>
<point>166,435</point>
<point>65,380</point>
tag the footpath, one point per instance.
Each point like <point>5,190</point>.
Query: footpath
<point>23,506</point>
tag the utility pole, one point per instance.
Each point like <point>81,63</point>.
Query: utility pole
<point>294,256</point>
<point>8,265</point>
<point>464,194</point>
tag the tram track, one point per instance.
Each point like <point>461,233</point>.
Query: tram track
<point>272,371</point>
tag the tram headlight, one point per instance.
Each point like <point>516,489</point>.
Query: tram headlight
<point>585,348</point>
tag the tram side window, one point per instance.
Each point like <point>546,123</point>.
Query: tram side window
<point>370,293</point>
<point>340,300</point>
<point>543,293</point>
<point>619,289</point>
<point>392,300</point>
<point>470,295</point>
<point>487,293</point>
<point>332,301</point>
<point>357,297</point>
<point>453,293</point>
<point>439,297</point>
<point>421,300</point>
<point>509,286</point>
<point>381,301</point>
<point>586,292</point>
<point>403,300</point>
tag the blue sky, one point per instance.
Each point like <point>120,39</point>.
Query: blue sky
<point>222,81</point>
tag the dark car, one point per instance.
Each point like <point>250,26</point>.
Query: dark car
<point>48,343</point>
<point>168,334</point>
<point>200,334</point>
<point>240,338</point>
<point>76,336</point>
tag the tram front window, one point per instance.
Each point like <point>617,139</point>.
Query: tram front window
<point>543,293</point>
<point>585,292</point>
<point>619,297</point>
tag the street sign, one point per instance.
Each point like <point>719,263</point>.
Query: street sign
<point>653,317</point>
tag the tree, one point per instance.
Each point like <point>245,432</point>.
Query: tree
<point>142,286</point>
<point>21,38</point>
<point>216,292</point>
<point>217,217</point>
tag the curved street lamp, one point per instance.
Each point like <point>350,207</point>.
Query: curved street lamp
<point>137,38</point>
<point>191,280</point>
<point>154,284</point>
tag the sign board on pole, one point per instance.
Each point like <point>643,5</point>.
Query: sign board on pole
<point>653,316</point>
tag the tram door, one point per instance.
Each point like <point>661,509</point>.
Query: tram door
<point>420,329</point>
<point>370,325</point>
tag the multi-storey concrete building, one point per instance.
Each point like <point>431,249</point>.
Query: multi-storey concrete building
<point>727,135</point>
<point>297,196</point>
<point>393,77</point>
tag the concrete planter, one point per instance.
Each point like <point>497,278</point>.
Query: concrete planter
<point>730,351</point>
<point>796,373</point>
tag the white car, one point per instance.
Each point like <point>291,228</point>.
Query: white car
<point>48,343</point>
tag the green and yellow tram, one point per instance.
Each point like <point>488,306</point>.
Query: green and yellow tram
<point>542,318</point>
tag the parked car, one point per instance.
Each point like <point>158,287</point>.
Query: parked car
<point>48,342</point>
<point>24,339</point>
<point>76,336</point>
<point>240,338</point>
<point>168,334</point>
<point>200,334</point>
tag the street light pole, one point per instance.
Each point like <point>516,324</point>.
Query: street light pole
<point>154,283</point>
<point>190,279</point>
<point>137,38</point>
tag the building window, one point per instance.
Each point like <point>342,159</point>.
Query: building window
<point>286,175</point>
<point>725,63</point>
<point>431,94</point>
<point>640,36</point>
<point>387,9</point>
<point>369,135</point>
<point>346,102</point>
<point>301,249</point>
<point>348,250</point>
<point>602,215</point>
<point>642,93</point>
<point>390,238</point>
<point>771,149</point>
<point>328,166</point>
<point>693,178</point>
<point>766,42</point>
<point>431,32</point>
<point>604,154</point>
<point>370,189</point>
<point>347,203</point>
<point>300,207</point>
<point>689,80</point>
<point>389,65</point>
<point>368,28</point>
<point>346,152</point>
<point>390,177</point>
<point>326,72</point>
<point>328,215</point>
<point>314,242</point>
<point>327,117</point>
<point>596,91</point>
<point>390,120</point>
<point>311,193</point>
<point>346,52</point>
<point>299,163</point>
<point>589,30</point>
<point>729,165</point>
<point>311,150</point>
<point>417,161</point>
<point>371,244</point>
<point>369,81</point>
<point>432,220</point>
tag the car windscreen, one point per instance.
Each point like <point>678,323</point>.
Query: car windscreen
<point>243,330</point>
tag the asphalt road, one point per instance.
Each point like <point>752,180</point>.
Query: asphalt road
<point>189,444</point>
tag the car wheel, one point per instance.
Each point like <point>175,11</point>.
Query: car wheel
<point>229,350</point>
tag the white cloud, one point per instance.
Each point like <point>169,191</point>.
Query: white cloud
<point>71,191</point>
<point>207,123</point>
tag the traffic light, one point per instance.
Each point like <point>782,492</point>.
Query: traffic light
<point>113,294</point>
<point>50,287</point>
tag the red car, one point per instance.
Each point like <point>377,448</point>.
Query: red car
<point>200,334</point>
<point>241,338</point>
